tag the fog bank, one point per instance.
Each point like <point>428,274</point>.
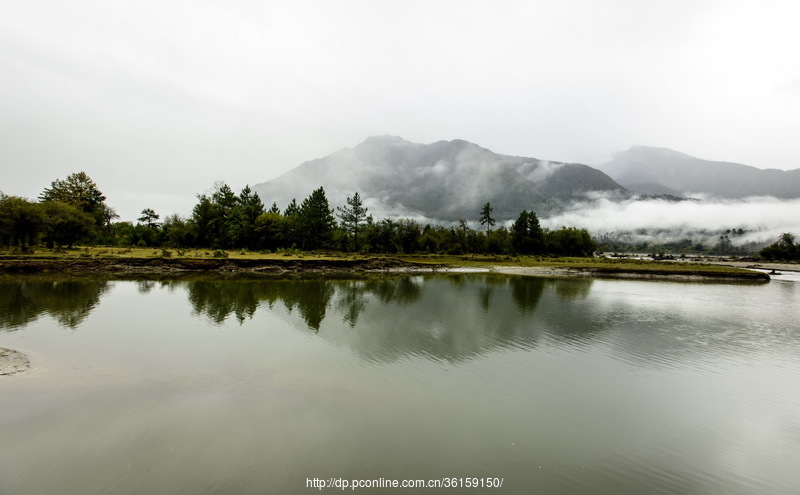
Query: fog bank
<point>763,218</point>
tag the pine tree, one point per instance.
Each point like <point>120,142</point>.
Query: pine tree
<point>149,218</point>
<point>486,217</point>
<point>527,236</point>
<point>353,217</point>
<point>316,220</point>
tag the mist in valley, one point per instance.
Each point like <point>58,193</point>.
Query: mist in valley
<point>702,220</point>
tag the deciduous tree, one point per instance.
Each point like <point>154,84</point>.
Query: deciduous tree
<point>79,190</point>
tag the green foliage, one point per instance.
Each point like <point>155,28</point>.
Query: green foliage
<point>569,241</point>
<point>292,209</point>
<point>785,249</point>
<point>486,217</point>
<point>149,218</point>
<point>225,220</point>
<point>353,217</point>
<point>315,220</point>
<point>21,221</point>
<point>527,236</point>
<point>66,224</point>
<point>176,232</point>
<point>246,211</point>
<point>498,241</point>
<point>271,230</point>
<point>79,190</point>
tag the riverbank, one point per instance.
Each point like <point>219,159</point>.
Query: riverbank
<point>149,261</point>
<point>42,265</point>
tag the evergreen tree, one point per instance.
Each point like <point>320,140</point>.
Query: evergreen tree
<point>353,217</point>
<point>316,220</point>
<point>290,228</point>
<point>149,218</point>
<point>527,236</point>
<point>292,209</point>
<point>486,217</point>
<point>243,219</point>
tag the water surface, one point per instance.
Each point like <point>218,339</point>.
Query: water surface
<point>253,385</point>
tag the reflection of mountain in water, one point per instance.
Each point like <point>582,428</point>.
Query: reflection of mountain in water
<point>68,301</point>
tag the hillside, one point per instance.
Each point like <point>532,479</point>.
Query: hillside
<point>649,170</point>
<point>445,180</point>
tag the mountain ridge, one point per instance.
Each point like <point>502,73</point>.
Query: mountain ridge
<point>444,180</point>
<point>655,170</point>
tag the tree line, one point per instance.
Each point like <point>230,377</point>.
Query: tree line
<point>783,250</point>
<point>73,211</point>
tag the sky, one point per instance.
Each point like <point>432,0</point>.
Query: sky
<point>158,100</point>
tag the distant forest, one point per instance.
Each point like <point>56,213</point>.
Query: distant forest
<point>74,211</point>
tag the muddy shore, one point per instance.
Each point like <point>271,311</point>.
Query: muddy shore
<point>642,274</point>
<point>122,266</point>
<point>222,265</point>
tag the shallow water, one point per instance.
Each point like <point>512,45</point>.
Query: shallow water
<point>258,385</point>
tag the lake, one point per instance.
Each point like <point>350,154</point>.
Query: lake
<point>212,384</point>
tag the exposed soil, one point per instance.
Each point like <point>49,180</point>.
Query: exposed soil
<point>121,266</point>
<point>13,265</point>
<point>745,276</point>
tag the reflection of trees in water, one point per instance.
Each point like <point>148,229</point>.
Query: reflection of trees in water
<point>241,297</point>
<point>566,321</point>
<point>452,317</point>
<point>145,286</point>
<point>352,301</point>
<point>353,294</point>
<point>69,302</point>
<point>573,288</point>
<point>458,317</point>
<point>218,298</point>
<point>310,298</point>
<point>526,292</point>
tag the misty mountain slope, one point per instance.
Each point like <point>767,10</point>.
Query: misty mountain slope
<point>445,180</point>
<point>650,170</point>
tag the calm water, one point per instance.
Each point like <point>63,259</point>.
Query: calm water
<point>253,385</point>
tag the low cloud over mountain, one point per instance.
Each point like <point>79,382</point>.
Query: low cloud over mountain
<point>648,170</point>
<point>446,180</point>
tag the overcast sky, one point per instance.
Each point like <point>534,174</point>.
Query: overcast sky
<point>156,100</point>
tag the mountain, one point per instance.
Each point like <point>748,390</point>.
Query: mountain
<point>648,170</point>
<point>446,180</point>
